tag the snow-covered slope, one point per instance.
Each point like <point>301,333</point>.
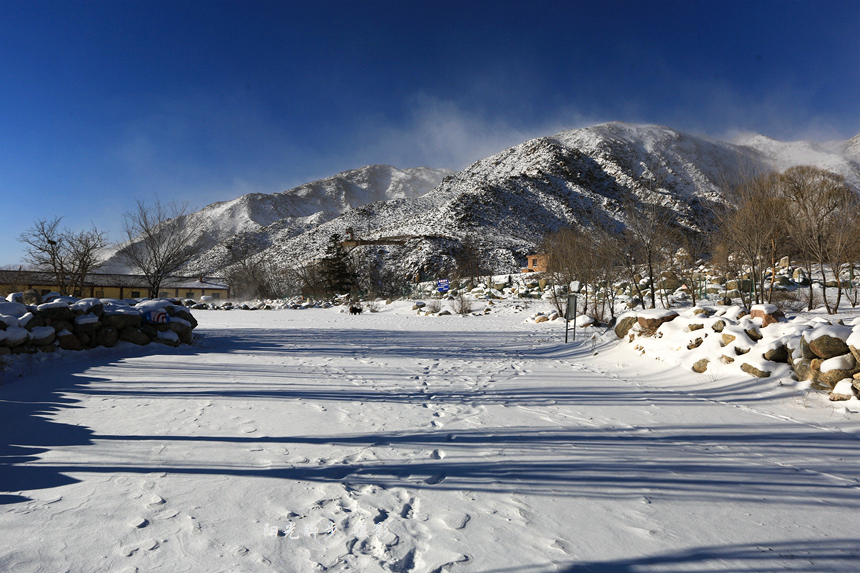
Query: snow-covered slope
<point>334,195</point>
<point>508,202</point>
<point>255,218</point>
<point>842,157</point>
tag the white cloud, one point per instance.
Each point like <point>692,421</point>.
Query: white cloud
<point>439,133</point>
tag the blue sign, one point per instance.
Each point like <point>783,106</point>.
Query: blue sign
<point>442,285</point>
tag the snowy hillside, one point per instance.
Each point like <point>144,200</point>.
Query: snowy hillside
<point>842,157</point>
<point>508,202</point>
<point>306,206</point>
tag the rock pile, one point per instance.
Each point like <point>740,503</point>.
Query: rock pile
<point>761,343</point>
<point>78,324</point>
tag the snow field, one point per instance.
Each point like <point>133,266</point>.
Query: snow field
<point>318,441</point>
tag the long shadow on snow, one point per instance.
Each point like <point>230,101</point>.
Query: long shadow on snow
<point>480,349</point>
<point>579,461</point>
<point>729,464</point>
<point>26,406</point>
<point>801,555</point>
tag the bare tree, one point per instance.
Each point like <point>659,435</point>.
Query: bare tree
<point>67,256</point>
<point>252,275</point>
<point>755,230</point>
<point>159,241</point>
<point>649,234</point>
<point>694,247</point>
<point>842,246</point>
<point>567,259</point>
<point>816,200</point>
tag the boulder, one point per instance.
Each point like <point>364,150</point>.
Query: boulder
<point>14,336</point>
<point>31,297</point>
<point>184,332</point>
<point>31,321</point>
<point>651,320</point>
<point>694,344</point>
<point>754,334</point>
<point>726,359</point>
<point>828,372</point>
<point>148,330</point>
<point>827,346</point>
<point>87,323</point>
<point>55,311</point>
<point>768,313</point>
<point>42,336</point>
<point>842,390</point>
<point>695,326</point>
<point>803,369</point>
<point>700,365</point>
<point>106,336</point>
<point>584,320</point>
<point>134,335</point>
<point>88,306</point>
<point>167,337</point>
<point>777,354</point>
<point>187,316</point>
<point>799,277</point>
<point>718,325</point>
<point>728,338</point>
<point>121,320</point>
<point>624,325</point>
<point>68,341</point>
<point>753,371</point>
<point>541,318</point>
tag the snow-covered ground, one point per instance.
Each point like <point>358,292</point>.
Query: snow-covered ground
<point>318,441</point>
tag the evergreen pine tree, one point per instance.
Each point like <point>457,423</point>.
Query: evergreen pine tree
<point>337,274</point>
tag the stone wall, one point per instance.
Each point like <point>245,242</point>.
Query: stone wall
<point>78,324</point>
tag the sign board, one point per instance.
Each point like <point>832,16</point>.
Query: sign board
<point>570,311</point>
<point>442,285</point>
<point>570,314</point>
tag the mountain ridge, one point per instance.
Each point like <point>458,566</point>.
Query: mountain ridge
<point>507,202</point>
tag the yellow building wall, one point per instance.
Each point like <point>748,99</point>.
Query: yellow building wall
<point>121,292</point>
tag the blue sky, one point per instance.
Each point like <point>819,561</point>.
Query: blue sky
<point>102,102</point>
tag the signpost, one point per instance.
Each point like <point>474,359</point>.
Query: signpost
<point>442,285</point>
<point>570,314</point>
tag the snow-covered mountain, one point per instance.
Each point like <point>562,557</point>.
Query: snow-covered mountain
<point>331,197</point>
<point>255,217</point>
<point>507,203</point>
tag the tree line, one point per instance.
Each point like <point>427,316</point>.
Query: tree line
<point>157,242</point>
<point>807,214</point>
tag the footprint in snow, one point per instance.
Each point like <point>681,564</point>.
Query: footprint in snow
<point>456,520</point>
<point>139,522</point>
